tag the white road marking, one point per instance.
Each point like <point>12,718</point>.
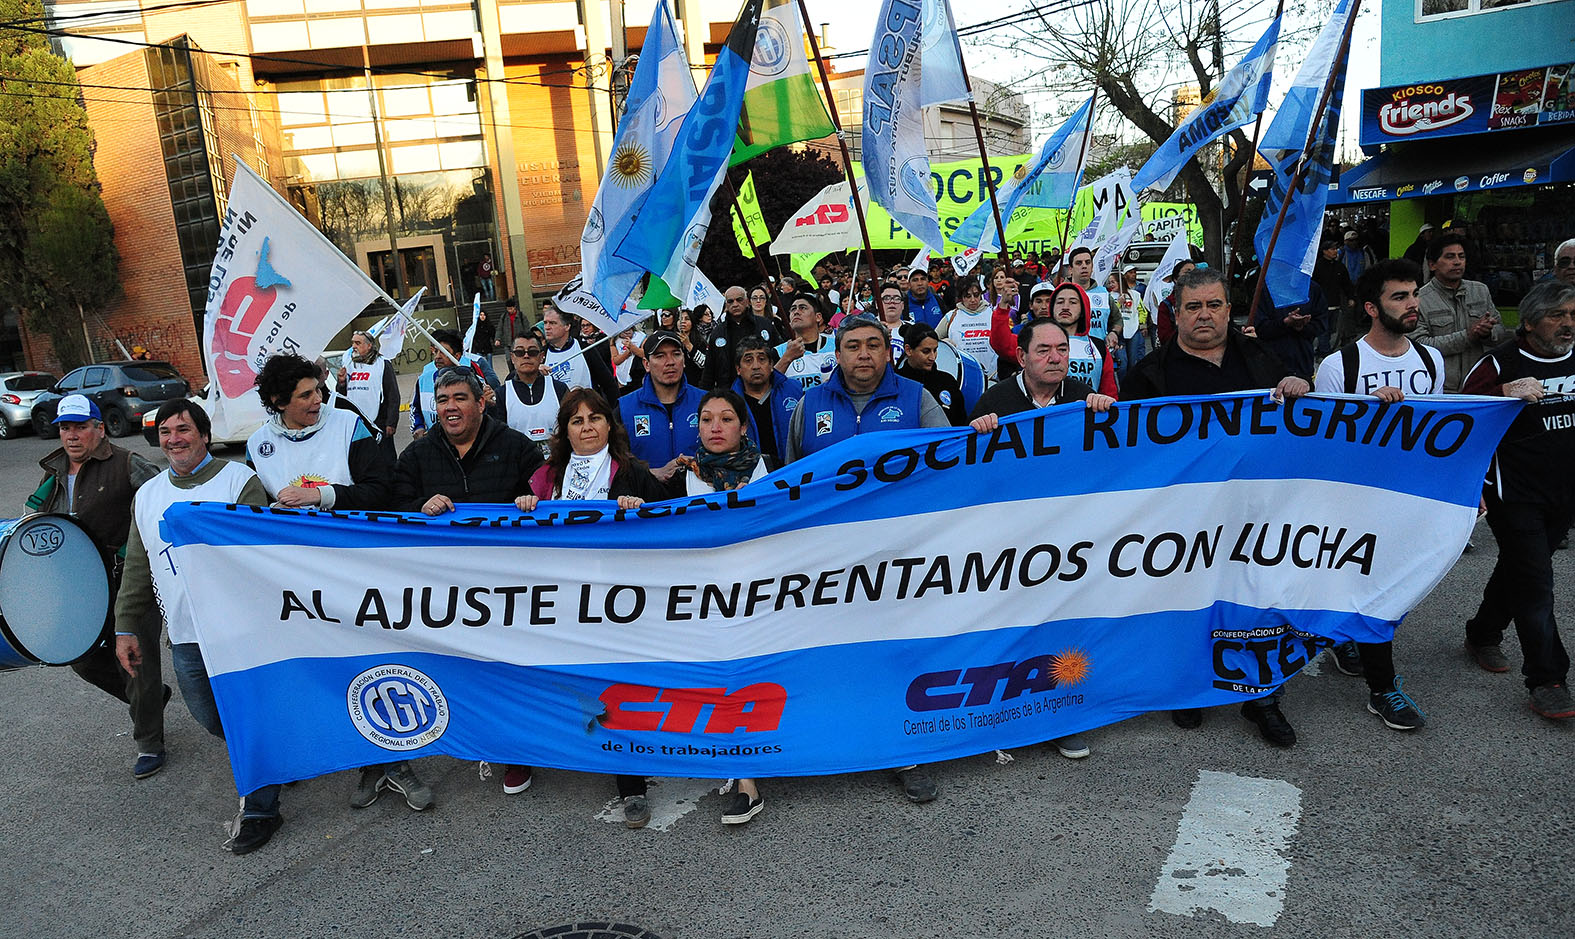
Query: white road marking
<point>1230,849</point>
<point>669,799</point>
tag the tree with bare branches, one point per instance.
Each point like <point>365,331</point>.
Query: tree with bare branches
<point>1137,53</point>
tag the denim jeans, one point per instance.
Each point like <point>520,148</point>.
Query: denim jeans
<point>192,676</point>
<point>1521,587</point>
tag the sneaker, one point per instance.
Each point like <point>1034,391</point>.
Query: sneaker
<point>254,833</point>
<point>1347,659</point>
<point>1071,746</point>
<point>147,764</point>
<point>1553,701</point>
<point>636,811</point>
<point>403,780</point>
<point>1187,718</point>
<point>1271,724</point>
<point>741,808</point>
<point>1489,658</point>
<point>369,788</point>
<point>516,779</point>
<point>916,784</point>
<point>1396,708</point>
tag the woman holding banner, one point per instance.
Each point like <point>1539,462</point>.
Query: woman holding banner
<point>590,459</point>
<point>727,459</point>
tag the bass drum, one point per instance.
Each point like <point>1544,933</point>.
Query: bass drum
<point>963,367</point>
<point>54,591</point>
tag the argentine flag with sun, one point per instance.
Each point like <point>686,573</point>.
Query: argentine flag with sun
<point>660,95</point>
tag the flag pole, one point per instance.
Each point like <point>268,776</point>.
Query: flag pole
<point>1252,157</point>
<point>1340,61</point>
<point>1066,220</point>
<point>748,235</point>
<point>984,158</point>
<point>836,121</point>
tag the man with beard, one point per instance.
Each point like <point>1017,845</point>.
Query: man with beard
<point>1386,364</point>
<point>1530,495</point>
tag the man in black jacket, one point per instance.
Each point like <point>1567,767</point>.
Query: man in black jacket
<point>1044,351</point>
<point>1207,356</point>
<point>474,459</point>
<point>736,323</point>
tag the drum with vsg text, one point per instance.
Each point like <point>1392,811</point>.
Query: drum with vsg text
<point>963,367</point>
<point>54,591</point>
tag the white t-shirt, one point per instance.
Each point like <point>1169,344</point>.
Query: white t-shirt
<point>815,365</point>
<point>1375,370</point>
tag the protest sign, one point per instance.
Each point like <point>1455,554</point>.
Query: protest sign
<point>901,597</point>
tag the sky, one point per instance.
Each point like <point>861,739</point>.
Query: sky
<point>852,23</point>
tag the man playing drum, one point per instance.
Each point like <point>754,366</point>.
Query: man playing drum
<point>93,480</point>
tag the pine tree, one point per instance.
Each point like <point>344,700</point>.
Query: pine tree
<point>57,250</point>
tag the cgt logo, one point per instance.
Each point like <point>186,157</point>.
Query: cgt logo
<point>752,708</point>
<point>937,691</point>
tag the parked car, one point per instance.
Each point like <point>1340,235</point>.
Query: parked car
<point>123,391</point>
<point>150,431</point>
<point>1145,256</point>
<point>17,391</point>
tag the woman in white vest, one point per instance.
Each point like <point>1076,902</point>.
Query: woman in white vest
<point>309,455</point>
<point>968,326</point>
<point>727,459</point>
<point>370,384</point>
<point>529,402</point>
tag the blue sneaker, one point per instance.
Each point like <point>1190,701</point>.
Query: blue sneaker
<point>147,764</point>
<point>1396,709</point>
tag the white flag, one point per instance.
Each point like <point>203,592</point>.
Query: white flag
<point>1158,287</point>
<point>391,333</point>
<point>824,223</point>
<point>966,261</point>
<point>702,291</point>
<point>277,285</point>
<point>475,318</point>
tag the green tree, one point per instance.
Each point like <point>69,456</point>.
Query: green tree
<point>57,251</point>
<point>785,178</point>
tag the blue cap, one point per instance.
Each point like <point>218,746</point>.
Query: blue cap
<point>77,408</point>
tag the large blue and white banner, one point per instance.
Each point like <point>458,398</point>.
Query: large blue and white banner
<point>901,597</point>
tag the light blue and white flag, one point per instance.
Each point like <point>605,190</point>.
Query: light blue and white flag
<point>475,320</point>
<point>672,220</point>
<point>1240,97</point>
<point>1050,182</point>
<point>797,627</point>
<point>660,95</point>
<point>896,92</point>
<point>1287,276</point>
<point>390,333</point>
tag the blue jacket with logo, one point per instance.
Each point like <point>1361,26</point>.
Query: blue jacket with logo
<point>786,393</point>
<point>927,312</point>
<point>653,436</point>
<point>829,415</point>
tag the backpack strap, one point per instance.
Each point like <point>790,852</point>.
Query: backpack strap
<point>1351,359</point>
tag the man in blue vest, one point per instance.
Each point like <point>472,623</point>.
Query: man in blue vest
<point>662,416</point>
<point>772,397</point>
<point>864,395</point>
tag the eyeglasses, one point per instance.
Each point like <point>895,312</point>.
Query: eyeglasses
<point>524,353</point>
<point>1567,260</point>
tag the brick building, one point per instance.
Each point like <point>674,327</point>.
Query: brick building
<point>491,122</point>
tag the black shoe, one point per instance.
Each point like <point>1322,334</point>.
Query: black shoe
<point>1187,718</point>
<point>916,784</point>
<point>741,808</point>
<point>254,833</point>
<point>147,764</point>
<point>1271,724</point>
<point>1347,659</point>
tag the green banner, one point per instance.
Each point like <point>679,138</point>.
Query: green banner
<point>959,189</point>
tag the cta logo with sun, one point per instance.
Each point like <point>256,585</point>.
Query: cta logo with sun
<point>309,481</point>
<point>1070,668</point>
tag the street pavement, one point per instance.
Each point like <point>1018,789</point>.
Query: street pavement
<point>1461,829</point>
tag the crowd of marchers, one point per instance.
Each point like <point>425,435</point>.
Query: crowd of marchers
<point>698,401</point>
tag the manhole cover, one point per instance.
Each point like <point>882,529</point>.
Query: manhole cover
<point>590,931</point>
